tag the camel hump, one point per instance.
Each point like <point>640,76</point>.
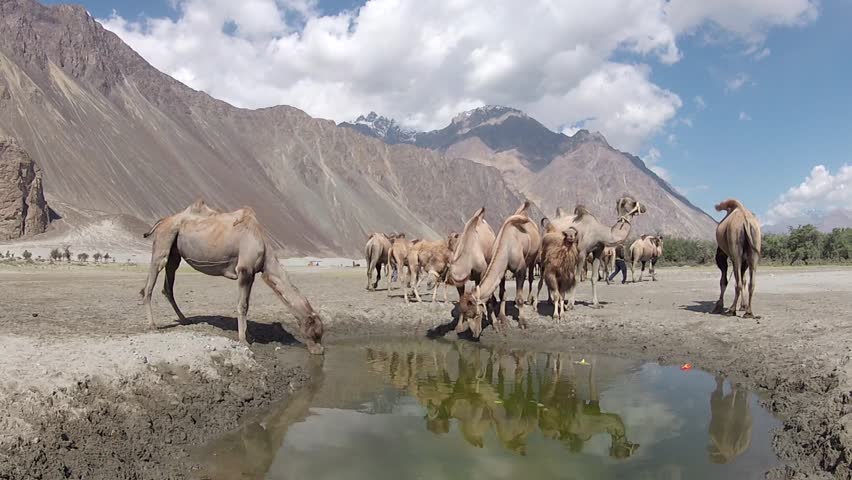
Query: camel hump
<point>244,215</point>
<point>730,205</point>
<point>479,213</point>
<point>523,209</point>
<point>518,220</point>
<point>581,211</point>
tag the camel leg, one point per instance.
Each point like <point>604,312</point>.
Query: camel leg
<point>387,276</point>
<point>633,266</point>
<point>158,261</point>
<point>169,285</point>
<point>572,292</point>
<point>418,279</point>
<point>437,284</point>
<point>642,272</point>
<point>412,274</point>
<point>594,279</point>
<point>378,275</point>
<point>370,267</point>
<point>558,307</point>
<point>743,300</point>
<point>722,263</point>
<point>653,270</point>
<point>738,288</point>
<point>519,299</point>
<point>530,277</point>
<point>751,270</point>
<point>538,290</point>
<point>245,280</point>
<point>501,316</point>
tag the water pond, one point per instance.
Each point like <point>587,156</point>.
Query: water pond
<point>439,409</point>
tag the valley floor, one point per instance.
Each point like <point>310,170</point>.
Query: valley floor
<point>88,391</point>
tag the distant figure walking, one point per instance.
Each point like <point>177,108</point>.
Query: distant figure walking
<point>620,265</point>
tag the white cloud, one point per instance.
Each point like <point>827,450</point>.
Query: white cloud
<point>761,54</point>
<point>423,62</point>
<point>652,159</point>
<point>736,83</point>
<point>820,191</point>
<point>744,116</point>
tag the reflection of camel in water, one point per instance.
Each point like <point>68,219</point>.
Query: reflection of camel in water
<point>249,452</point>
<point>505,393</point>
<point>730,423</point>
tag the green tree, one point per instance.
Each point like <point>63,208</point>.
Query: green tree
<point>27,255</point>
<point>55,255</point>
<point>837,245</point>
<point>66,253</point>
<point>97,257</point>
<point>804,243</point>
<point>83,257</point>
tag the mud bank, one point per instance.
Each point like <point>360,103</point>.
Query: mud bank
<point>141,422</point>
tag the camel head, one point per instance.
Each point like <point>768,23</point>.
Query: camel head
<point>569,236</point>
<point>453,241</point>
<point>313,332</point>
<point>627,207</point>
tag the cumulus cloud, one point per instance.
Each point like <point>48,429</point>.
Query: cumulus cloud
<point>423,62</point>
<point>744,116</point>
<point>820,191</point>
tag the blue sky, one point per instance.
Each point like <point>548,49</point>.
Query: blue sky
<point>773,80</point>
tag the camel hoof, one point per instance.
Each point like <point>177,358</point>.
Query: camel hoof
<point>597,306</point>
<point>731,313</point>
<point>748,315</point>
<point>718,309</point>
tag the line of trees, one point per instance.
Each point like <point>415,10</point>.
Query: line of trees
<point>802,245</point>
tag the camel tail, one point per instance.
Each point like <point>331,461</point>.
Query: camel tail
<point>729,205</point>
<point>752,233</point>
<point>154,228</point>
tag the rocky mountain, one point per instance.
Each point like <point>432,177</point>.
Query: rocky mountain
<point>557,170</point>
<point>115,135</point>
<point>383,128</point>
<point>23,210</point>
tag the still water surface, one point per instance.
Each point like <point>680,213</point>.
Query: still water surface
<point>456,410</point>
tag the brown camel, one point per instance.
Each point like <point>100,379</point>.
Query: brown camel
<point>647,248</point>
<point>738,237</point>
<point>376,253</point>
<point>472,253</point>
<point>515,250</point>
<point>398,258</point>
<point>230,245</point>
<point>593,236</point>
<point>607,262</point>
<point>433,258</point>
<point>559,267</point>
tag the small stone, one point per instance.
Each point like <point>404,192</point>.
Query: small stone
<point>35,315</point>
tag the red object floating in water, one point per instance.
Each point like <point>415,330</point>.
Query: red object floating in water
<point>686,366</point>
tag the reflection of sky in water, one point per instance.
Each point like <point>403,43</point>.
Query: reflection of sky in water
<point>373,425</point>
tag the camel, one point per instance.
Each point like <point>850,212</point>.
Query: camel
<point>376,252</point>
<point>397,257</point>
<point>472,253</point>
<point>646,248</point>
<point>230,245</point>
<point>607,261</point>
<point>432,257</point>
<point>515,250</point>
<point>593,236</point>
<point>559,267</point>
<point>738,237</point>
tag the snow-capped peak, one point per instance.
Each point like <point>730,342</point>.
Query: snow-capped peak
<point>386,128</point>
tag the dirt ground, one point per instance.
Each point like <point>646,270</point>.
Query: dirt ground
<point>88,391</point>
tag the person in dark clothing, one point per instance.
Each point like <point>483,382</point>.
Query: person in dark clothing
<point>620,266</point>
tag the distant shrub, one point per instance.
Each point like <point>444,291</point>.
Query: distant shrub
<point>83,257</point>
<point>27,255</point>
<point>97,257</point>
<point>66,253</point>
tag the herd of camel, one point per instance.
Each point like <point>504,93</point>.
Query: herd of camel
<point>233,245</point>
<point>562,250</point>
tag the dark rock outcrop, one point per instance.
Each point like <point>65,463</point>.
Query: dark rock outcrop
<point>23,209</point>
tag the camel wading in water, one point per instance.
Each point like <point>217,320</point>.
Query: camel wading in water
<point>738,237</point>
<point>230,245</point>
<point>593,236</point>
<point>516,250</point>
<point>645,249</point>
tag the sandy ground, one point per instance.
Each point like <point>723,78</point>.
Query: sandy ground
<point>87,391</point>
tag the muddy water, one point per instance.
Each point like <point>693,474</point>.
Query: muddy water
<point>434,409</point>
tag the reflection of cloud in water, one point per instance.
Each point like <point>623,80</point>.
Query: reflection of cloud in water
<point>648,418</point>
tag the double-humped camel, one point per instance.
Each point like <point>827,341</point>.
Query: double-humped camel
<point>593,236</point>
<point>515,250</point>
<point>230,245</point>
<point>647,248</point>
<point>738,237</point>
<point>472,253</point>
<point>376,254</point>
<point>432,257</point>
<point>560,256</point>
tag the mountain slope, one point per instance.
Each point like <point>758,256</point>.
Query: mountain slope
<point>114,134</point>
<point>556,170</point>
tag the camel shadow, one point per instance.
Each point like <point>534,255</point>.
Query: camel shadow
<point>442,330</point>
<point>700,306</point>
<point>263,333</point>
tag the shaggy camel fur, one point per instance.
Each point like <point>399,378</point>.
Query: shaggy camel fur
<point>594,236</point>
<point>646,248</point>
<point>433,258</point>
<point>559,267</point>
<point>738,237</point>
<point>376,253</point>
<point>230,245</point>
<point>516,250</point>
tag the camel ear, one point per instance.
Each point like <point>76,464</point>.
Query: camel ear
<point>479,213</point>
<point>643,236</point>
<point>560,212</point>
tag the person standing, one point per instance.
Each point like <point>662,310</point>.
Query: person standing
<point>620,265</point>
